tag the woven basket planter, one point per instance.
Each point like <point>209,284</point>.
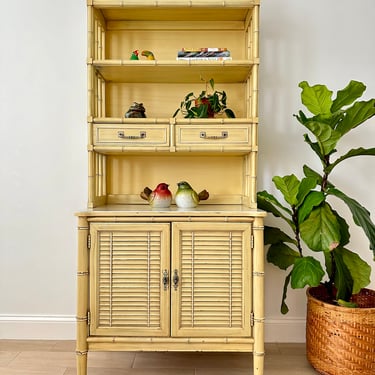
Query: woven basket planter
<point>340,340</point>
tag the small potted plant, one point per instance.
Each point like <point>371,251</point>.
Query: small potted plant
<point>206,105</point>
<point>337,283</point>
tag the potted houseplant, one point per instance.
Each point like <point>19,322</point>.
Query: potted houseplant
<point>205,105</point>
<point>338,278</point>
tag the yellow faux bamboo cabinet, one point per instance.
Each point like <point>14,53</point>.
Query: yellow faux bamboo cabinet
<point>166,278</point>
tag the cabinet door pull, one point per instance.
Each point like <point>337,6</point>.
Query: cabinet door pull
<point>224,134</point>
<point>175,279</point>
<point>165,279</point>
<point>121,134</point>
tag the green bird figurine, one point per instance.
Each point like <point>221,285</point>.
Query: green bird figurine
<point>134,55</point>
<point>148,54</point>
<point>161,197</point>
<point>187,197</point>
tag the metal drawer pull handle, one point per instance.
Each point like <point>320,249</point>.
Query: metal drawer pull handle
<point>122,135</point>
<point>165,279</point>
<point>224,134</point>
<point>175,279</point>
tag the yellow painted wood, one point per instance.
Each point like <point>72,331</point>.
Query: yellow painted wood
<point>215,248</point>
<point>126,294</point>
<point>212,296</point>
<point>131,135</point>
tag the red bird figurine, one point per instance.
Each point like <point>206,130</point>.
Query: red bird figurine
<point>161,197</point>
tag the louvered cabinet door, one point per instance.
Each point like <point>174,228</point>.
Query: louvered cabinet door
<point>127,293</point>
<point>211,278</point>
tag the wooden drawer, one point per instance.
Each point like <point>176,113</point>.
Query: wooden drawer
<point>216,135</point>
<point>131,135</point>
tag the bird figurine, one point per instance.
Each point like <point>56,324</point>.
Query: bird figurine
<point>148,54</point>
<point>161,197</point>
<point>187,197</point>
<point>134,55</point>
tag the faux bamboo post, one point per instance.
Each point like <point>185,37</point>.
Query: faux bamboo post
<point>258,292</point>
<point>82,297</point>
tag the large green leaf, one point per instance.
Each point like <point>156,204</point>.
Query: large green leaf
<point>343,278</point>
<point>315,147</point>
<point>274,235</point>
<point>326,136</point>
<point>284,307</point>
<point>348,95</point>
<point>350,154</point>
<point>269,203</point>
<point>317,99</point>
<point>356,115</point>
<point>289,186</point>
<point>321,230</point>
<point>361,215</point>
<point>282,255</point>
<point>313,199</point>
<point>307,184</point>
<point>359,270</point>
<point>306,271</point>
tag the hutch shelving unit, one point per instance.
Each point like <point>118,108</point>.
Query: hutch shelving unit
<point>170,279</point>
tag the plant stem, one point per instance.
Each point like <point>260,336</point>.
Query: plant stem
<point>297,231</point>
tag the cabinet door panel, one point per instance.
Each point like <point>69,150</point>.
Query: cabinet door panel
<point>127,265</point>
<point>213,296</point>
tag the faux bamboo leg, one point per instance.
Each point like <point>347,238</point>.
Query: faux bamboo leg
<point>82,297</point>
<point>258,285</point>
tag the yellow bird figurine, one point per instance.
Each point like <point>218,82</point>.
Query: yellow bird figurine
<point>148,54</point>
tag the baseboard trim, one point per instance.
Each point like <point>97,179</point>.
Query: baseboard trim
<point>38,327</point>
<point>63,327</point>
<point>287,330</point>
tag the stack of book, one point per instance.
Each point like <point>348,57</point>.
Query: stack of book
<point>204,54</point>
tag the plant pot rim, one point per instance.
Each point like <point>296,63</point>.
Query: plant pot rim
<point>367,294</point>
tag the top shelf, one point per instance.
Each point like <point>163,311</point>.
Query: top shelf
<point>175,10</point>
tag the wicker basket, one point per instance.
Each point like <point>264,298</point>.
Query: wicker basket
<point>340,340</point>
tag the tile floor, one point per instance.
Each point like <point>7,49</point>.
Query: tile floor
<point>27,357</point>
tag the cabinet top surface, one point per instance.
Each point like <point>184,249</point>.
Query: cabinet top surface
<point>143,210</point>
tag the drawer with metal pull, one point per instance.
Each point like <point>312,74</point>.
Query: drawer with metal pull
<point>230,135</point>
<point>129,135</point>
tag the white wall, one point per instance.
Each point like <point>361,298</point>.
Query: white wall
<point>43,157</point>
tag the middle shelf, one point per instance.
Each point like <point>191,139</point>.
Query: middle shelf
<point>172,71</point>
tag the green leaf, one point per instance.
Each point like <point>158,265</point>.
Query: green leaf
<point>305,187</point>
<point>288,185</point>
<point>229,113</point>
<point>343,278</point>
<point>344,229</point>
<point>315,147</point>
<point>306,271</point>
<point>284,307</point>
<point>326,136</point>
<point>321,230</point>
<point>359,270</point>
<point>274,235</point>
<point>348,95</point>
<point>269,203</point>
<point>309,172</point>
<point>361,215</point>
<point>356,115</point>
<point>313,199</point>
<point>343,303</point>
<point>282,255</point>
<point>317,99</point>
<point>350,154</point>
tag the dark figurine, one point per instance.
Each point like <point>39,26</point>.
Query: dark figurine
<point>136,110</point>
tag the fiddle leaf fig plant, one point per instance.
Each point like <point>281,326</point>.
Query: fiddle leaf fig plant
<point>307,207</point>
